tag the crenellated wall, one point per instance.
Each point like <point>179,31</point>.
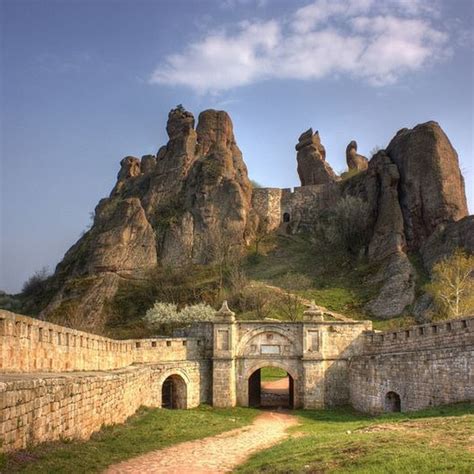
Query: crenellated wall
<point>299,208</point>
<point>426,365</point>
<point>30,345</point>
<point>57,383</point>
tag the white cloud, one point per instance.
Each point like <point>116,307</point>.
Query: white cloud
<point>377,41</point>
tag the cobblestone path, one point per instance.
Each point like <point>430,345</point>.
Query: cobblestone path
<point>215,454</point>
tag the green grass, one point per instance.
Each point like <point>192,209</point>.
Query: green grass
<point>147,430</point>
<point>267,374</point>
<point>337,282</point>
<point>341,440</point>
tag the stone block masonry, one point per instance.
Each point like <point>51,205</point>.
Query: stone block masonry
<point>30,345</point>
<point>36,408</point>
<point>427,365</point>
<point>58,383</point>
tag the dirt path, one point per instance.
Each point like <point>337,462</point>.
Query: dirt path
<point>215,454</point>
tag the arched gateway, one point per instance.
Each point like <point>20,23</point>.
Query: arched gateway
<point>314,353</point>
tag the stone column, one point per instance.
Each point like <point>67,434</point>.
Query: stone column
<point>313,359</point>
<point>223,373</point>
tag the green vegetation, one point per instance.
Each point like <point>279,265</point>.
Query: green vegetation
<point>268,374</point>
<point>452,287</point>
<point>341,440</point>
<point>332,278</point>
<point>148,430</point>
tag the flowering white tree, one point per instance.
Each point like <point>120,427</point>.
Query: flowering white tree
<point>165,316</point>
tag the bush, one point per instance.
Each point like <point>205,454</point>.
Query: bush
<point>452,285</point>
<point>166,316</point>
<point>36,283</point>
<point>351,223</point>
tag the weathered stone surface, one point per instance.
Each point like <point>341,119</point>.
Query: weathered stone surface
<point>431,184</point>
<point>424,308</point>
<point>175,208</point>
<point>446,239</point>
<point>354,160</point>
<point>311,157</point>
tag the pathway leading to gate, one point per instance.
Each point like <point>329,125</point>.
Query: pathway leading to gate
<point>215,454</point>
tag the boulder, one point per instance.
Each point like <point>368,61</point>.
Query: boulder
<point>446,239</point>
<point>311,158</point>
<point>431,183</point>
<point>354,160</point>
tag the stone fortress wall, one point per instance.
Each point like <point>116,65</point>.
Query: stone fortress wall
<point>426,365</point>
<point>299,206</point>
<point>60,383</point>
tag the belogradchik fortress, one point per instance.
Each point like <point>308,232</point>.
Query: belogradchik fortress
<point>61,383</point>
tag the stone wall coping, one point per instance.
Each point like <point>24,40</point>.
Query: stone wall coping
<point>432,329</point>
<point>305,323</point>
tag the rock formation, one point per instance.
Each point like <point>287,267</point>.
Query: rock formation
<point>175,208</point>
<point>193,200</point>
<point>311,157</point>
<point>354,160</point>
<point>431,185</point>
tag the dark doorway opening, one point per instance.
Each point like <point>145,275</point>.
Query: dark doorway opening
<point>271,387</point>
<point>173,392</point>
<point>286,217</point>
<point>393,402</point>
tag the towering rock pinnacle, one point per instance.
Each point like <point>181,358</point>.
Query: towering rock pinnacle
<point>431,184</point>
<point>311,158</point>
<point>354,160</point>
<point>173,208</point>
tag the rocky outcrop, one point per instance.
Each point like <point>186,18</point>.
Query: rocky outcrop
<point>311,158</point>
<point>378,186</point>
<point>431,184</point>
<point>353,159</point>
<point>446,239</point>
<point>180,206</point>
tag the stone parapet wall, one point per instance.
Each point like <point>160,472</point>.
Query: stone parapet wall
<point>37,408</point>
<point>426,365</point>
<point>421,379</point>
<point>31,345</point>
<point>453,332</point>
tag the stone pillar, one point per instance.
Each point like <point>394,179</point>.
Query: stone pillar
<point>313,359</point>
<point>224,383</point>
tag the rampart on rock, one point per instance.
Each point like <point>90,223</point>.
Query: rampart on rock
<point>194,197</point>
<point>58,383</point>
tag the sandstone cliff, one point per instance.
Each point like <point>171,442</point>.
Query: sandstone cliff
<point>192,201</point>
<point>179,206</point>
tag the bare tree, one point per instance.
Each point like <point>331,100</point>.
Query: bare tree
<point>452,285</point>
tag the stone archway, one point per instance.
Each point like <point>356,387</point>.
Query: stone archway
<point>392,402</point>
<point>251,388</point>
<point>278,393</point>
<point>174,392</point>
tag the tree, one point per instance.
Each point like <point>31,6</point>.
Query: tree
<point>452,284</point>
<point>36,283</point>
<point>261,232</point>
<point>351,223</point>
<point>166,316</point>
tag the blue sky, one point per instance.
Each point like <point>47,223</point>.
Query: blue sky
<point>85,83</point>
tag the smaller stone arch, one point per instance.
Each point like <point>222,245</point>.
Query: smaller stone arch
<point>286,217</point>
<point>174,392</point>
<point>174,389</point>
<point>392,402</point>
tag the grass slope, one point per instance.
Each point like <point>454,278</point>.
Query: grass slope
<point>334,280</point>
<point>147,430</point>
<point>340,440</point>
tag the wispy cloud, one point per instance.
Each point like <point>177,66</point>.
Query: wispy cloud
<point>377,41</point>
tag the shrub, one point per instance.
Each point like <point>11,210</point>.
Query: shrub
<point>166,316</point>
<point>36,283</point>
<point>452,285</point>
<point>351,223</point>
